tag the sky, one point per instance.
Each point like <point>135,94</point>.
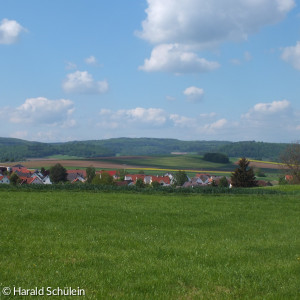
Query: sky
<point>185,69</point>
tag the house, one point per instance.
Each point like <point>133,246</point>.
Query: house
<point>134,177</point>
<point>31,180</point>
<point>76,174</point>
<point>113,174</point>
<point>46,180</point>
<point>21,171</point>
<point>171,176</point>
<point>4,179</point>
<point>148,179</point>
<point>289,178</point>
<point>162,180</point>
<point>203,178</point>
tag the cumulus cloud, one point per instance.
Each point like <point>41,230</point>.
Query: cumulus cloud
<point>91,60</point>
<point>43,111</point>
<point>262,110</point>
<point>291,55</point>
<point>211,22</point>
<point>219,124</point>
<point>179,29</point>
<point>175,59</point>
<point>182,121</point>
<point>10,31</point>
<point>84,83</point>
<point>194,94</point>
<point>124,117</point>
<point>70,65</point>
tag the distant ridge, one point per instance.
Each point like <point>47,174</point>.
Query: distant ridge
<point>12,149</point>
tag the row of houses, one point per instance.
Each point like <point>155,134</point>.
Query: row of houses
<point>27,176</point>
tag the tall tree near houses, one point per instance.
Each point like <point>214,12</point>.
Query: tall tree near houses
<point>243,176</point>
<point>90,174</point>
<point>291,160</point>
<point>58,173</point>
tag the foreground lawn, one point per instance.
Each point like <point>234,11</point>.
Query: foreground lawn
<point>129,246</point>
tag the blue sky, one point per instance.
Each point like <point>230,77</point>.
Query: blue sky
<point>186,69</point>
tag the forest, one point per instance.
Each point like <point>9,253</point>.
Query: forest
<point>12,149</point>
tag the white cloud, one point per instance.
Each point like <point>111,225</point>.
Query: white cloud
<point>291,55</point>
<point>271,108</point>
<point>70,65</point>
<point>170,98</point>
<point>194,94</point>
<point>84,83</point>
<point>175,59</point>
<point>137,116</point>
<point>216,125</point>
<point>43,111</point>
<point>91,60</point>
<point>211,22</point>
<point>10,31</point>
<point>181,28</point>
<point>182,121</point>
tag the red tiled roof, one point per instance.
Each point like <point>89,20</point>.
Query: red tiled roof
<point>111,173</point>
<point>22,170</point>
<point>289,177</point>
<point>160,179</point>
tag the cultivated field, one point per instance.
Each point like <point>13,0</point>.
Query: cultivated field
<point>133,246</point>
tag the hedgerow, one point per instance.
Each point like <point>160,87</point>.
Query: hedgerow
<point>146,190</point>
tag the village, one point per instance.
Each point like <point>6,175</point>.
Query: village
<point>27,176</point>
<point>20,175</point>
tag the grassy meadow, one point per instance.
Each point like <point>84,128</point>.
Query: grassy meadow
<point>172,162</point>
<point>133,246</point>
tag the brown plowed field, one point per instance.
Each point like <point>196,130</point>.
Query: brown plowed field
<point>262,165</point>
<point>46,163</point>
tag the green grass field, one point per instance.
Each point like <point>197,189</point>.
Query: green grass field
<point>174,162</point>
<point>133,246</point>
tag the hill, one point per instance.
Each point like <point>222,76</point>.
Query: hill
<point>16,149</point>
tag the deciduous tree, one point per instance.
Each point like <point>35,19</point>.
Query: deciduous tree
<point>291,160</point>
<point>90,174</point>
<point>58,173</point>
<point>180,178</point>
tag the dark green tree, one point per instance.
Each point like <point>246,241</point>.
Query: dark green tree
<point>121,174</point>
<point>243,176</point>
<point>14,179</point>
<point>140,183</point>
<point>58,173</point>
<point>90,174</point>
<point>180,178</point>
<point>155,184</point>
<point>105,179</point>
<point>223,182</point>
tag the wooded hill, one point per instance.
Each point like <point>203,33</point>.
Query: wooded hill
<point>16,149</point>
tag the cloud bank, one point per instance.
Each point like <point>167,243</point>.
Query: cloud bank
<point>179,29</point>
